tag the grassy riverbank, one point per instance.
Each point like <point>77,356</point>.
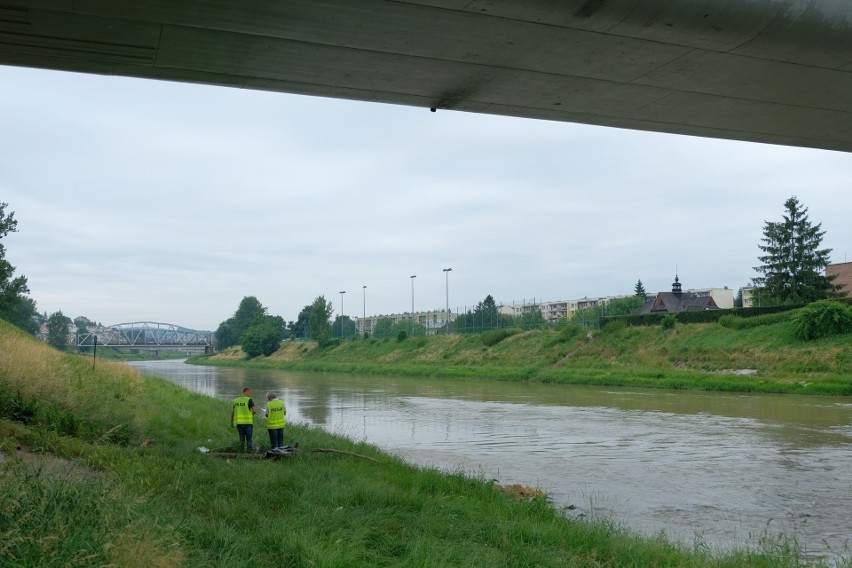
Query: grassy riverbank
<point>101,467</point>
<point>761,358</point>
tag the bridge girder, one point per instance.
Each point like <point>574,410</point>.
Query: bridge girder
<point>775,71</point>
<point>146,334</point>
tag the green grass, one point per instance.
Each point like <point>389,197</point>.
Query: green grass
<point>695,356</point>
<point>86,498</point>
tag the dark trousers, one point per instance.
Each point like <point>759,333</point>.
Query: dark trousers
<point>276,438</point>
<point>245,431</point>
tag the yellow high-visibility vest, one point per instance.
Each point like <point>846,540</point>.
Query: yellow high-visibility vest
<point>242,412</point>
<point>276,411</point>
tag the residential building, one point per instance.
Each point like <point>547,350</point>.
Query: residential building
<point>748,296</point>
<point>724,297</point>
<point>679,301</point>
<point>435,321</point>
<point>843,273</point>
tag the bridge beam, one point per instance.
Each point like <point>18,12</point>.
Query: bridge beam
<point>776,71</point>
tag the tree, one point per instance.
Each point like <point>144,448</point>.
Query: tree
<point>249,313</point>
<point>738,299</point>
<point>224,335</point>
<point>320,321</point>
<point>383,328</point>
<point>615,307</point>
<point>57,330</point>
<point>623,306</point>
<point>261,339</point>
<point>532,319</point>
<point>15,306</point>
<point>301,327</point>
<point>484,316</point>
<point>639,290</point>
<point>344,326</point>
<point>793,261</point>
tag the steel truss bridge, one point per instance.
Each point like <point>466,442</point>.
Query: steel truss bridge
<point>147,335</point>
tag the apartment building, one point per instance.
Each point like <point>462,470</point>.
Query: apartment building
<point>435,321</point>
<point>724,297</point>
<point>843,273</point>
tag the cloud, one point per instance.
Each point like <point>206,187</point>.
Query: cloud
<point>145,200</point>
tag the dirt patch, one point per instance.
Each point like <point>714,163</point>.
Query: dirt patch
<point>51,466</point>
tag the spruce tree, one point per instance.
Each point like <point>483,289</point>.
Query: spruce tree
<point>639,289</point>
<point>793,261</point>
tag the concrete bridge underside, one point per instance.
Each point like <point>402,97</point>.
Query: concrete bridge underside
<point>774,71</point>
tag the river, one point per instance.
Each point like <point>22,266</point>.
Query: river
<point>717,470</point>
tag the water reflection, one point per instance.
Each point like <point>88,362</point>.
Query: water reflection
<point>723,468</point>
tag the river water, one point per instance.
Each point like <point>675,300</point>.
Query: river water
<point>710,469</point>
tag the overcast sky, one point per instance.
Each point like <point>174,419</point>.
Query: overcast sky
<point>143,200</point>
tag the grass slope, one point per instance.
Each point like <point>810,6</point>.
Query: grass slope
<point>763,358</point>
<point>100,467</point>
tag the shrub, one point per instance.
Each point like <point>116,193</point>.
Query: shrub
<point>706,316</point>
<point>495,336</point>
<point>731,321</point>
<point>401,336</point>
<point>734,321</point>
<point>567,332</point>
<point>260,339</point>
<point>668,321</point>
<point>614,326</point>
<point>822,319</point>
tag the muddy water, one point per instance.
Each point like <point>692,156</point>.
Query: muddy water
<point>717,470</point>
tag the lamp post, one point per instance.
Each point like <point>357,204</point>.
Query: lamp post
<point>446,272</point>
<point>411,321</point>
<point>341,312</point>
<point>364,317</point>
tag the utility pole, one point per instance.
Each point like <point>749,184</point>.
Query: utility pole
<point>411,320</point>
<point>447,278</point>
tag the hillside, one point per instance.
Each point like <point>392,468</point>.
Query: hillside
<point>767,358</point>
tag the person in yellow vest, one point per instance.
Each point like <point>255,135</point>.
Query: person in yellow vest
<point>275,413</point>
<point>242,416</point>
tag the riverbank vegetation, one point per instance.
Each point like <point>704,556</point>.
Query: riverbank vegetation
<point>101,466</point>
<point>762,354</point>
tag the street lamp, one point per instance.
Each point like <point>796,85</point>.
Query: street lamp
<point>446,272</point>
<point>341,312</point>
<point>411,324</point>
<point>364,318</point>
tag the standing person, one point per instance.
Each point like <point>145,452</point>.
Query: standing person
<point>242,416</point>
<point>275,413</point>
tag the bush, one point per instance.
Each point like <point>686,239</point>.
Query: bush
<point>668,321</point>
<point>261,339</point>
<point>614,326</point>
<point>822,319</point>
<point>734,321</point>
<point>731,321</point>
<point>704,316</point>
<point>401,336</point>
<point>495,336</point>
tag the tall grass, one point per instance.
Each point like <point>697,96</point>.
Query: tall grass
<point>164,503</point>
<point>67,393</point>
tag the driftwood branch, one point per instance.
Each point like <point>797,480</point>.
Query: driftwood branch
<point>333,451</point>
<point>255,456</point>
